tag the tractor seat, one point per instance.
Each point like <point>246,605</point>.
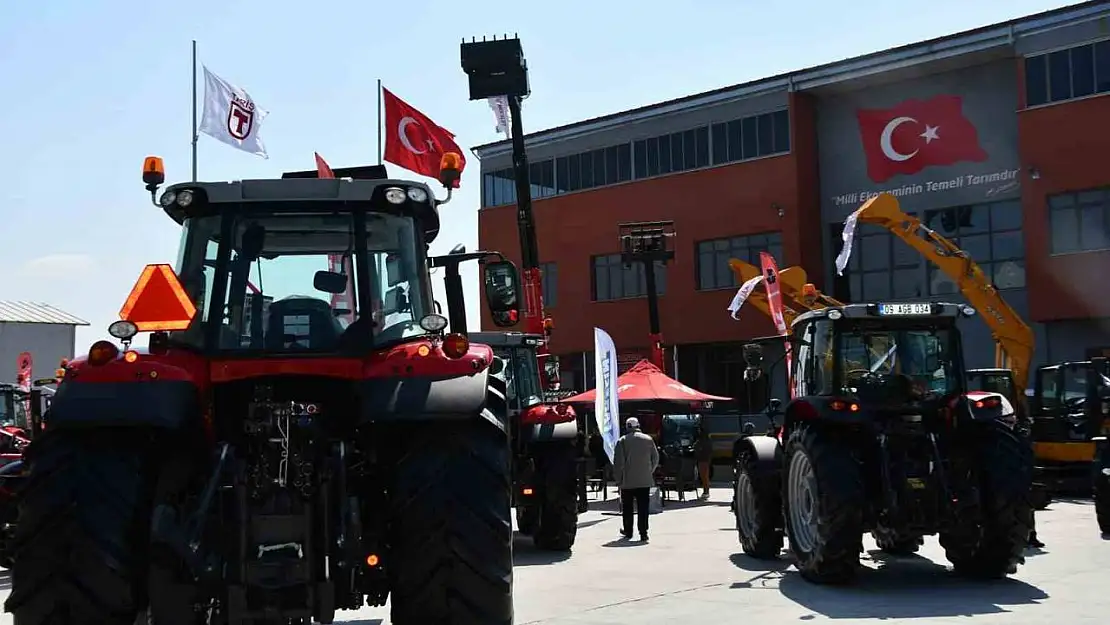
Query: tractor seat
<point>293,315</point>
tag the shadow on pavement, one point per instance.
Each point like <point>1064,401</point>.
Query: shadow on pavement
<point>908,587</point>
<point>585,524</point>
<point>625,542</point>
<point>526,554</point>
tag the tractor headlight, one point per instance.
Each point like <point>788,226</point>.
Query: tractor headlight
<point>169,197</point>
<point>418,195</point>
<point>835,314</point>
<point>123,330</point>
<point>395,195</point>
<point>967,311</point>
<point>433,323</point>
<point>185,198</point>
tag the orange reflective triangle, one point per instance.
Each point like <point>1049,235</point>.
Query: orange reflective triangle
<point>158,301</point>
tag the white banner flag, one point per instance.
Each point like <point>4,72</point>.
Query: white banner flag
<point>500,106</point>
<point>742,295</point>
<point>231,116</point>
<point>606,407</point>
<point>847,235</point>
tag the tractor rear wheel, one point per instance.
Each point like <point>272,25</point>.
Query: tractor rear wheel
<point>556,475</point>
<point>758,510</point>
<point>450,517</point>
<point>80,547</point>
<point>824,499</point>
<point>996,513</point>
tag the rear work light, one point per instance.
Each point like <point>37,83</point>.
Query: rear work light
<point>989,402</point>
<point>840,405</point>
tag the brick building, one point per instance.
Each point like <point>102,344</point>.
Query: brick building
<point>996,137</point>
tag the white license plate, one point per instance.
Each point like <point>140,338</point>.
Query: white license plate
<point>905,309</point>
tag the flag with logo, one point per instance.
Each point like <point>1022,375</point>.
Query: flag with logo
<point>774,302</point>
<point>231,115</point>
<point>500,106</point>
<point>606,406</point>
<point>742,295</point>
<point>915,134</point>
<point>25,364</point>
<point>414,141</point>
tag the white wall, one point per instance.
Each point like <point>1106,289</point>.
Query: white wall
<point>47,342</point>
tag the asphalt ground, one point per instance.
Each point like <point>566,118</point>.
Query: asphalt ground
<point>692,573</point>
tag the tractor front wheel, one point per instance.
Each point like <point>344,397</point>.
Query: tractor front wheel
<point>757,506</point>
<point>557,477</point>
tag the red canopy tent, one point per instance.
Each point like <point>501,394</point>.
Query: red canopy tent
<point>644,382</point>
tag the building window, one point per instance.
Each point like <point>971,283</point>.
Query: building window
<point>672,153</point>
<point>751,137</point>
<point>1067,74</point>
<point>712,269</point>
<point>595,168</point>
<point>990,234</point>
<point>612,279</point>
<point>881,266</point>
<point>499,187</point>
<point>549,275</point>
<point>1080,222</point>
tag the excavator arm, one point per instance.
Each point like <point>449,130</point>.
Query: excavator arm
<point>1013,337</point>
<point>758,298</point>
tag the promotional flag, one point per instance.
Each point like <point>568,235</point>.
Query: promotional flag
<point>500,106</point>
<point>774,303</point>
<point>606,406</point>
<point>414,141</point>
<point>847,236</point>
<point>742,294</point>
<point>336,262</point>
<point>915,134</point>
<point>25,364</point>
<point>231,116</point>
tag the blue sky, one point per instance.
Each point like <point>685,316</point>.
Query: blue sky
<point>93,87</point>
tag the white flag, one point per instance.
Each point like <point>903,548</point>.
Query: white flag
<point>231,116</point>
<point>500,106</point>
<point>742,295</point>
<point>606,406</point>
<point>847,235</point>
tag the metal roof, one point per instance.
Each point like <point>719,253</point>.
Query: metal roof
<point>994,37</point>
<point>36,312</point>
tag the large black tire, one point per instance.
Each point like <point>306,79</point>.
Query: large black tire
<point>451,560</point>
<point>991,539</point>
<point>827,550</point>
<point>557,478</point>
<point>758,510</point>
<point>80,546</point>
<point>895,543</point>
<point>1102,501</point>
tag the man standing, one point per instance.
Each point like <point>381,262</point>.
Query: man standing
<point>635,458</point>
<point>703,450</point>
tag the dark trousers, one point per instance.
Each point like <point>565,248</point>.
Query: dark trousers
<point>635,500</point>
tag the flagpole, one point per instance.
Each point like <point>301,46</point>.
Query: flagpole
<point>379,121</point>
<point>194,110</point>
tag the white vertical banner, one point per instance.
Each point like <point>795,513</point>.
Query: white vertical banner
<point>742,295</point>
<point>500,106</point>
<point>847,236</point>
<point>606,406</point>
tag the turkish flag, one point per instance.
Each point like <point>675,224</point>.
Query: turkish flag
<point>916,134</point>
<point>415,142</point>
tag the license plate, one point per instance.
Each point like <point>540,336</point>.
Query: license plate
<point>905,309</point>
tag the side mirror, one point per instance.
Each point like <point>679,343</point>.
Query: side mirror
<point>329,282</point>
<point>502,286</point>
<point>753,359</point>
<point>747,429</point>
<point>438,307</point>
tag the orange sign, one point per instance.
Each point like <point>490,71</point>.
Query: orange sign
<point>158,301</point>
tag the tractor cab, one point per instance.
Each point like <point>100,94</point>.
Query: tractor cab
<point>515,362</point>
<point>298,266</point>
<point>1070,408</point>
<point>861,358</point>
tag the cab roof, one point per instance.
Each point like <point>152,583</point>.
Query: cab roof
<point>308,194</point>
<point>505,339</point>
<point>876,312</point>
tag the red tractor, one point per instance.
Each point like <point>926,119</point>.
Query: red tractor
<point>262,461</point>
<point>17,426</point>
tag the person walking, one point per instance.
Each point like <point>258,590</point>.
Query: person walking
<point>635,459</point>
<point>703,451</point>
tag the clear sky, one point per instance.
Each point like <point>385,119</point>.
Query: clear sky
<point>93,87</point>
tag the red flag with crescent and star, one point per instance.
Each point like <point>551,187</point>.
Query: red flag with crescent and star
<point>916,134</point>
<point>413,141</point>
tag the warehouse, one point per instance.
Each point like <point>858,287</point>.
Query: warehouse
<point>994,137</point>
<point>42,330</point>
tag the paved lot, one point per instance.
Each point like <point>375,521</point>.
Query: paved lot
<point>691,573</point>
